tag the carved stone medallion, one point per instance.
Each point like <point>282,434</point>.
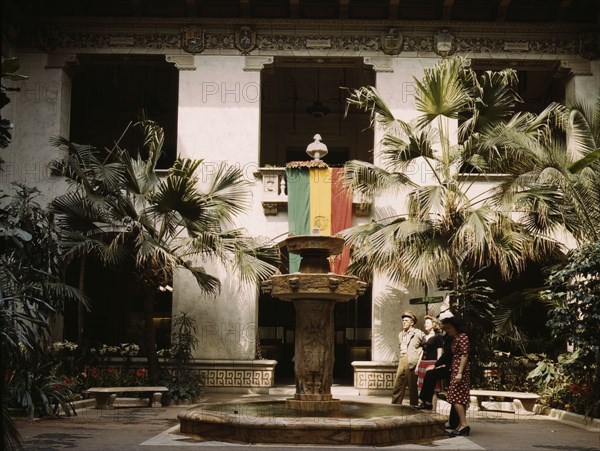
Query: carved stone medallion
<point>192,40</point>
<point>443,43</point>
<point>391,42</point>
<point>245,39</point>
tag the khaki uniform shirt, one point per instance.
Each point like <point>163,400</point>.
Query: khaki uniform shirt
<point>410,345</point>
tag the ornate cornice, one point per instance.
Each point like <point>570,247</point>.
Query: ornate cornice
<point>327,38</point>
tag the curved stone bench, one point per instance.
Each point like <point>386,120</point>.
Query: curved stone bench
<point>523,402</point>
<point>105,396</point>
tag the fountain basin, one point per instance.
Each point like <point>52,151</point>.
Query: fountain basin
<point>330,287</point>
<point>326,245</point>
<point>314,250</point>
<point>354,423</point>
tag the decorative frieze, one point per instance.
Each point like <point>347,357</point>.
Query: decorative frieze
<point>253,40</point>
<point>298,42</point>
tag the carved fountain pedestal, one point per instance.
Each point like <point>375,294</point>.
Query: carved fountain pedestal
<point>314,292</point>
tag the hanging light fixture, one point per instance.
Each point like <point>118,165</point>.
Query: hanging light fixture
<point>317,109</point>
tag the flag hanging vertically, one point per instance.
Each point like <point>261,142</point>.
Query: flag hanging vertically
<point>298,208</point>
<point>320,200</point>
<point>317,199</point>
<point>341,217</point>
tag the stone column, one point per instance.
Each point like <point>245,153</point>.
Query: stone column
<point>584,81</point>
<point>218,121</point>
<point>40,110</point>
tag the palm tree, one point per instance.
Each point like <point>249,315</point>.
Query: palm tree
<point>552,169</point>
<point>445,227</point>
<point>122,213</point>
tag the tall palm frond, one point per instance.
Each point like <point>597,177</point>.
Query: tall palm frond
<point>368,99</point>
<point>228,193</point>
<point>581,121</point>
<point>367,179</point>
<point>441,92</point>
<point>153,226</point>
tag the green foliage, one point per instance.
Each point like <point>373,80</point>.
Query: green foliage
<point>472,301</point>
<point>9,68</point>
<point>508,372</point>
<point>183,382</point>
<point>183,340</point>
<point>446,226</point>
<point>38,390</point>
<point>557,387</point>
<point>123,214</point>
<point>30,293</point>
<point>574,297</point>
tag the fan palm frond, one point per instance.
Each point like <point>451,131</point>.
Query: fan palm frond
<point>369,100</point>
<point>367,179</point>
<point>228,194</point>
<point>441,92</point>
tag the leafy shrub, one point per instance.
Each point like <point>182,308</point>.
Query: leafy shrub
<point>573,295</point>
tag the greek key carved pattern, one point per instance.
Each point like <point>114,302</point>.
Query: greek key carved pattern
<point>237,378</point>
<point>374,380</point>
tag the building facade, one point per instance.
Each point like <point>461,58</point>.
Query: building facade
<point>249,83</point>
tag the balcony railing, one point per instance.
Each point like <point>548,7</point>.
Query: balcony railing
<point>274,193</point>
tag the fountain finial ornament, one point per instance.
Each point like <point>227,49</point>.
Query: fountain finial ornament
<point>317,149</point>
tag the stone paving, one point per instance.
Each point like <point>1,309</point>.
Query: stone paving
<point>147,429</point>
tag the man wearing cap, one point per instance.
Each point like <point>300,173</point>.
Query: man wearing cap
<point>411,340</point>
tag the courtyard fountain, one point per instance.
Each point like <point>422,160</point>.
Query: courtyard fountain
<point>312,416</point>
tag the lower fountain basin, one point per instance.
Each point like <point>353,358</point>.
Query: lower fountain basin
<point>354,423</point>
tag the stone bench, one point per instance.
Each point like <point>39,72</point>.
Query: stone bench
<point>105,396</point>
<point>522,401</point>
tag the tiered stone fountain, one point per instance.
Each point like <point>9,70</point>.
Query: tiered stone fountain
<point>314,292</point>
<point>312,416</point>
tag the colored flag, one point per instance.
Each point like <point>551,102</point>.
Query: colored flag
<point>317,199</point>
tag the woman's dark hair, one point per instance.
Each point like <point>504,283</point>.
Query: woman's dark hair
<point>455,322</point>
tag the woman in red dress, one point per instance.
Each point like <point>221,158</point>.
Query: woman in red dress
<point>460,379</point>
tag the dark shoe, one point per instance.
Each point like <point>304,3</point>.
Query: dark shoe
<point>451,428</point>
<point>424,407</point>
<point>464,431</point>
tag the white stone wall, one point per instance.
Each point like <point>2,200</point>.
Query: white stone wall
<point>226,322</point>
<point>219,121</point>
<point>585,87</point>
<point>39,111</point>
